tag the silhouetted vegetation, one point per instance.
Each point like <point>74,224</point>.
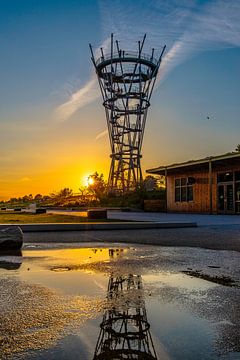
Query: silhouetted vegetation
<point>94,194</point>
<point>237,148</point>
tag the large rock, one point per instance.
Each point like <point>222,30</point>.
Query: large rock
<point>11,238</point>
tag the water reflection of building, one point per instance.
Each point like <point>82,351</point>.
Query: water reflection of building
<point>7,262</point>
<point>114,253</point>
<point>125,331</point>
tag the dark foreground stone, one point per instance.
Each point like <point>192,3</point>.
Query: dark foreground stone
<point>11,238</point>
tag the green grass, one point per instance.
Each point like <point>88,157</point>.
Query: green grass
<point>26,218</point>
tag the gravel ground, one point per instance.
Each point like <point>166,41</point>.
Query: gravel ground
<point>209,252</point>
<point>29,308</point>
<point>166,286</point>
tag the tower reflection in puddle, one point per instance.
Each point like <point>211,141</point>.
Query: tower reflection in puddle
<point>124,330</point>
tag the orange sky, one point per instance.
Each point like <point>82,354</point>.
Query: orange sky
<point>56,174</point>
<point>46,65</point>
<point>43,156</point>
<point>48,156</point>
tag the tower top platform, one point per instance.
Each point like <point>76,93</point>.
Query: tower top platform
<point>126,56</point>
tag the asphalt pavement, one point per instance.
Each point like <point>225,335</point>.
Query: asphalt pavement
<point>219,232</point>
<point>218,237</point>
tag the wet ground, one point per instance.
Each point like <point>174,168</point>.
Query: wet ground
<point>96,301</point>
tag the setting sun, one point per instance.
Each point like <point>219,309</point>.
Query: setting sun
<point>90,180</point>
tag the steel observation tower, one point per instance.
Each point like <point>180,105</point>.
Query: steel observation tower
<point>126,80</point>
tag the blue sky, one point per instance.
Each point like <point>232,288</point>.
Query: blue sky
<point>52,122</point>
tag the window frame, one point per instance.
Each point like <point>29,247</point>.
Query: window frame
<point>181,190</point>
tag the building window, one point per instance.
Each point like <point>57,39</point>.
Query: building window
<point>183,190</point>
<point>225,177</point>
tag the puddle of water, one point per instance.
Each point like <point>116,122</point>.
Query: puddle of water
<point>47,267</point>
<point>63,304</point>
<point>178,280</point>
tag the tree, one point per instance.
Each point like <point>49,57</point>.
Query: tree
<point>26,198</point>
<point>13,200</point>
<point>38,197</point>
<point>61,195</point>
<point>150,183</point>
<point>65,193</point>
<point>97,185</point>
<point>237,148</point>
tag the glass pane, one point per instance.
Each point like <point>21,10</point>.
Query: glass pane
<point>237,175</point>
<point>177,182</point>
<point>183,181</point>
<point>238,207</point>
<point>237,191</point>
<point>177,194</point>
<point>221,197</point>
<point>190,193</point>
<point>230,198</point>
<point>184,193</point>
<point>224,177</point>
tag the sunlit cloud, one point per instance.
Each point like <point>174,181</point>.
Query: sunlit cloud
<point>25,179</point>
<point>101,134</point>
<point>216,27</point>
<point>187,28</point>
<point>83,96</point>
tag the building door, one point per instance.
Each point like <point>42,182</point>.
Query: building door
<point>226,199</point>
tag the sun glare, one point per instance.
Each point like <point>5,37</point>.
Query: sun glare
<point>90,180</point>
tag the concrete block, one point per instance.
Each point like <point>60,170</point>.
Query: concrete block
<point>96,214</point>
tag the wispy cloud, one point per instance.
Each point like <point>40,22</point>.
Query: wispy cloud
<point>88,93</point>
<point>187,28</point>
<point>85,95</point>
<point>213,27</point>
<point>101,134</point>
<point>25,179</point>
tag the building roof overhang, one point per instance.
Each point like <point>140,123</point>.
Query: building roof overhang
<point>229,159</point>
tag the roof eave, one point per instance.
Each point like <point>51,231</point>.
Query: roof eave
<point>162,169</point>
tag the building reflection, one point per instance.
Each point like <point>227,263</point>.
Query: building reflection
<point>115,253</point>
<point>7,262</point>
<point>124,330</point>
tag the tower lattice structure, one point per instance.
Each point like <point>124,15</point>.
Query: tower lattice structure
<point>126,80</point>
<point>125,331</point>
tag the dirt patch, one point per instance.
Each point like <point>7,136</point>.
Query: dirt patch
<point>221,280</point>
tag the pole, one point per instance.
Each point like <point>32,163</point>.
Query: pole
<point>210,185</point>
<point>166,188</point>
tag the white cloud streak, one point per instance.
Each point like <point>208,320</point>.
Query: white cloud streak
<point>187,28</point>
<point>101,134</point>
<point>25,179</point>
<point>216,27</point>
<point>85,95</point>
